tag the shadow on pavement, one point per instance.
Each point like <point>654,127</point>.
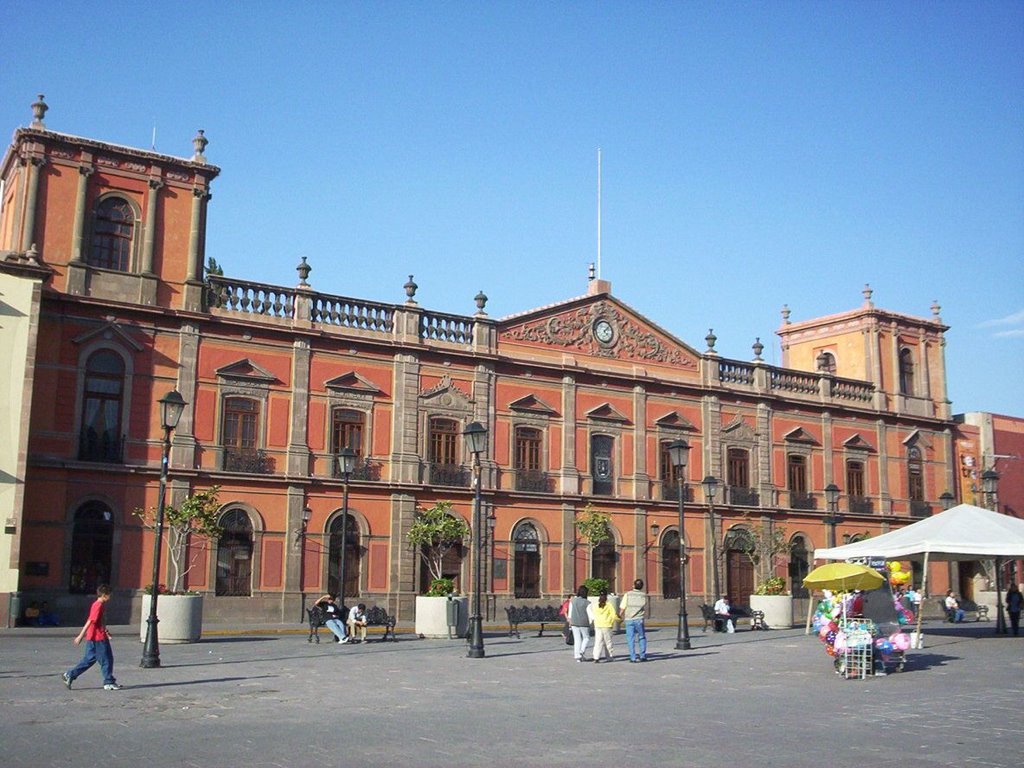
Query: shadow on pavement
<point>247,678</point>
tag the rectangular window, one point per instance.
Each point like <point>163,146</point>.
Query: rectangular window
<point>855,478</point>
<point>528,445</point>
<point>796,467</point>
<point>739,468</point>
<point>240,422</point>
<point>347,430</point>
<point>443,440</point>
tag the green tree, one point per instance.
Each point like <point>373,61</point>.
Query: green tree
<point>594,525</point>
<point>434,532</point>
<point>196,517</point>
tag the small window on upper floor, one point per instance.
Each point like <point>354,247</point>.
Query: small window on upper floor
<point>906,371</point>
<point>827,363</point>
<point>113,228</point>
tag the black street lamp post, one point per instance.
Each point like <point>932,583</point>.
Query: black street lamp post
<point>989,486</point>
<point>171,406</point>
<point>710,484</point>
<point>346,465</point>
<point>946,500</point>
<point>833,518</point>
<point>678,452</point>
<point>476,441</point>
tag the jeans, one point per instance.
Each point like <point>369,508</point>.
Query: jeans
<point>580,641</point>
<point>96,651</point>
<point>336,627</point>
<point>635,632</point>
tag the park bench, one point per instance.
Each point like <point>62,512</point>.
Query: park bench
<point>532,614</point>
<point>717,622</point>
<point>969,607</point>
<point>375,617</point>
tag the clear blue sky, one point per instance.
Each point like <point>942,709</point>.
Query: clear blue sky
<point>754,154</point>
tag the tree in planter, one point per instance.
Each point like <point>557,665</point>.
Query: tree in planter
<point>595,528</point>
<point>434,532</point>
<point>764,547</point>
<point>197,517</point>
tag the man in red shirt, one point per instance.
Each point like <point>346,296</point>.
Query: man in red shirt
<point>97,644</point>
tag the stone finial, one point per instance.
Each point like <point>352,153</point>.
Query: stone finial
<point>481,302</point>
<point>867,296</point>
<point>199,142</point>
<point>785,314</point>
<point>32,254</point>
<point>39,108</point>
<point>591,271</point>
<point>758,348</point>
<point>936,309</point>
<point>303,269</point>
<point>711,339</point>
<point>410,291</point>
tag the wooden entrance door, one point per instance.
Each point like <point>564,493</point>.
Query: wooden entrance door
<point>739,583</point>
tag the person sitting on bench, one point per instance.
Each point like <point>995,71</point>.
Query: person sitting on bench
<point>953,610</point>
<point>334,617</point>
<point>357,623</point>
<point>723,613</point>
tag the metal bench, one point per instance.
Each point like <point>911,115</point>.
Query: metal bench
<point>717,622</point>
<point>378,617</point>
<point>532,614</point>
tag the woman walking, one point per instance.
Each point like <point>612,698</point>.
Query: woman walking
<point>578,616</point>
<point>604,621</point>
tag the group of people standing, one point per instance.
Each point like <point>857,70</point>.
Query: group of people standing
<point>580,613</point>
<point>343,622</point>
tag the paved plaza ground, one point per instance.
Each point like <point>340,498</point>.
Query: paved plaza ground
<point>749,699</point>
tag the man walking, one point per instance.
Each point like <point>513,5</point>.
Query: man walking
<point>97,644</point>
<point>631,610</point>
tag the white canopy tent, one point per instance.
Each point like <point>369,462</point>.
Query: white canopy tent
<point>964,532</point>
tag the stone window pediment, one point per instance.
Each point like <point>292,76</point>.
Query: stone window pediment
<point>351,382</point>
<point>606,412</point>
<point>800,435</point>
<point>246,371</point>
<point>533,405</point>
<point>446,395</point>
<point>109,331</point>
<point>857,443</point>
<point>738,431</point>
<point>673,420</point>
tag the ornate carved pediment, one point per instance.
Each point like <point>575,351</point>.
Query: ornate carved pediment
<point>351,382</point>
<point>857,443</point>
<point>672,420</point>
<point>532,404</point>
<point>246,370</point>
<point>800,435</point>
<point>919,439</point>
<point>602,328</point>
<point>606,412</point>
<point>738,430</point>
<point>445,393</point>
<point>110,331</point>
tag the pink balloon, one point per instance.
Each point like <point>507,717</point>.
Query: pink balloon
<point>900,641</point>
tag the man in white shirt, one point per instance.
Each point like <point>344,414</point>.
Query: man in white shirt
<point>953,609</point>
<point>722,608</point>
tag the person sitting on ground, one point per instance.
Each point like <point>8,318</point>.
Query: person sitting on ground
<point>357,621</point>
<point>31,615</point>
<point>953,610</point>
<point>724,610</point>
<point>334,617</point>
<point>47,618</point>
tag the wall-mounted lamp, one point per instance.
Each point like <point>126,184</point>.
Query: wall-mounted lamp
<point>655,530</point>
<point>300,533</point>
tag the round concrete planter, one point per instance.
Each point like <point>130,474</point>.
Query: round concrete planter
<point>778,609</point>
<point>181,618</point>
<point>432,616</point>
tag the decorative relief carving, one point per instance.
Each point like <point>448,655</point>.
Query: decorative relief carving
<point>138,167</point>
<point>66,154</point>
<point>178,176</point>
<point>574,330</point>
<point>107,161</point>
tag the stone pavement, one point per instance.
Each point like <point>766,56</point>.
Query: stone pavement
<point>750,699</point>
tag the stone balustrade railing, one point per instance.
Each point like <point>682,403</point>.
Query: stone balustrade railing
<point>351,313</point>
<point>245,297</point>
<point>437,326</point>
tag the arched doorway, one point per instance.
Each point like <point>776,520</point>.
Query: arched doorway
<point>353,556</point>
<point>234,555</point>
<point>670,565</point>
<point>527,563</point>
<point>799,566</point>
<point>451,568</point>
<point>739,571</point>
<point>92,545</point>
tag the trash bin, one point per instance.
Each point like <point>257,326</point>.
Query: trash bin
<point>452,616</point>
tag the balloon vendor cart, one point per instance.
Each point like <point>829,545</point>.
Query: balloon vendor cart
<point>861,621</point>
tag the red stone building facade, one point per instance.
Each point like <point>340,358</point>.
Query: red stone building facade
<point>580,400</point>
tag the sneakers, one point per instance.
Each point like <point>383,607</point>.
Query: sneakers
<point>68,680</point>
<point>344,639</point>
<point>111,687</point>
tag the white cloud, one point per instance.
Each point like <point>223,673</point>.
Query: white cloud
<point>1016,333</point>
<point>1017,318</point>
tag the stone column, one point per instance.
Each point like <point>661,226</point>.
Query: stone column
<point>293,541</point>
<point>29,225</point>
<point>184,442</point>
<point>641,478</point>
<point>763,435</point>
<point>569,475</point>
<point>405,456</point>
<point>76,266</point>
<point>193,294</point>
<point>885,500</point>
<point>298,442</point>
<point>405,565</point>
<point>148,284</point>
<point>826,446</point>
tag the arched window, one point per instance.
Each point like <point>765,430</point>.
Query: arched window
<point>92,545</point>
<point>827,363</point>
<point>112,231</point>
<point>906,371</point>
<point>101,437</point>
<point>799,566</point>
<point>353,557</point>
<point>670,565</point>
<point>234,554</point>
<point>527,563</point>
<point>602,564</point>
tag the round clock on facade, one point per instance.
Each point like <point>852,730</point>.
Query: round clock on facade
<point>604,332</point>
